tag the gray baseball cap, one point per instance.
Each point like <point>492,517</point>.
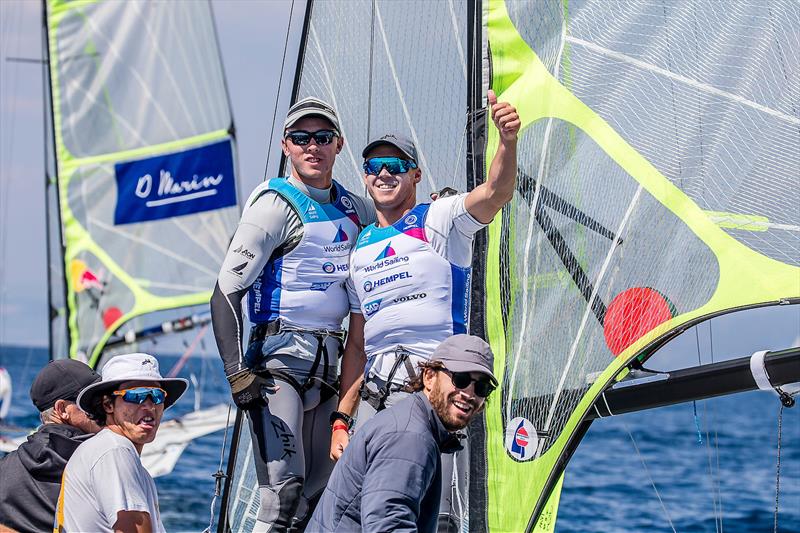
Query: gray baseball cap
<point>400,142</point>
<point>466,353</point>
<point>308,107</point>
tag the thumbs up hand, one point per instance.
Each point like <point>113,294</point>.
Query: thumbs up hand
<point>505,117</point>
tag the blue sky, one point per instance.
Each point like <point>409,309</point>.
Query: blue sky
<point>252,35</point>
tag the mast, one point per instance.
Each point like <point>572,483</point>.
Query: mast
<point>48,123</point>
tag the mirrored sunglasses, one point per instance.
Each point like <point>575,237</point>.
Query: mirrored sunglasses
<point>394,165</point>
<point>461,380</point>
<point>302,138</point>
<point>139,394</point>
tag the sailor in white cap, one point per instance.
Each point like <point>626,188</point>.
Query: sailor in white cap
<point>105,487</point>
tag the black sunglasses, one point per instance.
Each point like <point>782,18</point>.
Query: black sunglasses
<point>461,380</point>
<point>302,138</point>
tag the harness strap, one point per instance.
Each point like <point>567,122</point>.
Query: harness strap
<point>378,400</point>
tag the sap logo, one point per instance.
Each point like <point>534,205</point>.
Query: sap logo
<point>237,270</point>
<point>372,285</point>
<point>321,285</point>
<point>241,250</point>
<point>386,263</point>
<point>370,308</point>
<point>330,268</point>
<point>410,297</point>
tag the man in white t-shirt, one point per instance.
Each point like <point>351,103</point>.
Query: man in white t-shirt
<point>105,488</point>
<point>411,273</point>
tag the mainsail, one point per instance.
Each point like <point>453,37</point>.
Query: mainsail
<point>145,162</point>
<point>657,188</point>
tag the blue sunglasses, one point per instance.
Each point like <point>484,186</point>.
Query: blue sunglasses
<point>138,395</point>
<point>394,165</point>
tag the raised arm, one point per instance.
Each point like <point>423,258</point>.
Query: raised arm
<point>485,200</point>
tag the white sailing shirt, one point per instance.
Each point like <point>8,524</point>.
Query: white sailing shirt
<point>412,282</point>
<point>305,287</point>
<point>104,476</point>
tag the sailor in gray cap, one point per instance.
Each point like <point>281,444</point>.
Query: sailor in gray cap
<point>290,256</point>
<point>390,476</point>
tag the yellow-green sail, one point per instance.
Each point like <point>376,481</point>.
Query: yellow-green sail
<point>637,135</point>
<point>145,160</point>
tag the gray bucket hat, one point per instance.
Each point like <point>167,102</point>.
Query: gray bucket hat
<point>466,353</point>
<point>308,107</point>
<point>401,142</point>
<point>132,367</point>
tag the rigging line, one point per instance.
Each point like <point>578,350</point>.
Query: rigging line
<point>321,55</point>
<point>694,402</point>
<point>192,234</point>
<point>278,92</point>
<point>714,502</point>
<point>716,483</point>
<point>590,306</point>
<point>778,469</point>
<point>143,86</point>
<point>179,88</point>
<point>402,98</point>
<point>704,87</point>
<point>369,79</point>
<point>650,477</point>
<point>457,35</point>
<point>161,249</point>
<point>219,475</point>
<point>188,352</point>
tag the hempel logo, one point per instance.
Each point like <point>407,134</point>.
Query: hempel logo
<point>369,286</point>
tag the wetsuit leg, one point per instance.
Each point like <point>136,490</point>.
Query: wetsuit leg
<point>279,457</point>
<point>316,428</point>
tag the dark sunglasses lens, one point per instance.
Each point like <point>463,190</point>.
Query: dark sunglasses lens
<point>300,138</point>
<point>461,380</point>
<point>483,388</point>
<point>323,137</point>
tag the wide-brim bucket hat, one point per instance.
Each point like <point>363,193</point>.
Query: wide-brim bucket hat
<point>132,367</point>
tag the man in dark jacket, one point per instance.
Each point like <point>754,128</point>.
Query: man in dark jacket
<point>31,475</point>
<point>389,477</point>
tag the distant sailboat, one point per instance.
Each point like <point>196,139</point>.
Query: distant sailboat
<point>142,195</point>
<point>657,188</point>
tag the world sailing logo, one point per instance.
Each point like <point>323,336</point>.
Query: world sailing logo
<point>339,243</point>
<point>182,183</point>
<point>387,252</point>
<point>521,439</point>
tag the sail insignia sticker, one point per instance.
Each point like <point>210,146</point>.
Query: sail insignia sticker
<point>521,439</point>
<point>181,183</point>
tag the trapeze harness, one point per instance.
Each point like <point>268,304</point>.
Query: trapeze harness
<point>306,281</point>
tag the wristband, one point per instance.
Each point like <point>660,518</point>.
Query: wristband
<point>337,427</point>
<point>338,415</point>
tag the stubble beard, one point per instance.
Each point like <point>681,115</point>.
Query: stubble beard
<point>441,405</point>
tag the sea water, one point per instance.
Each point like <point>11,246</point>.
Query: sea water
<point>704,466</point>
